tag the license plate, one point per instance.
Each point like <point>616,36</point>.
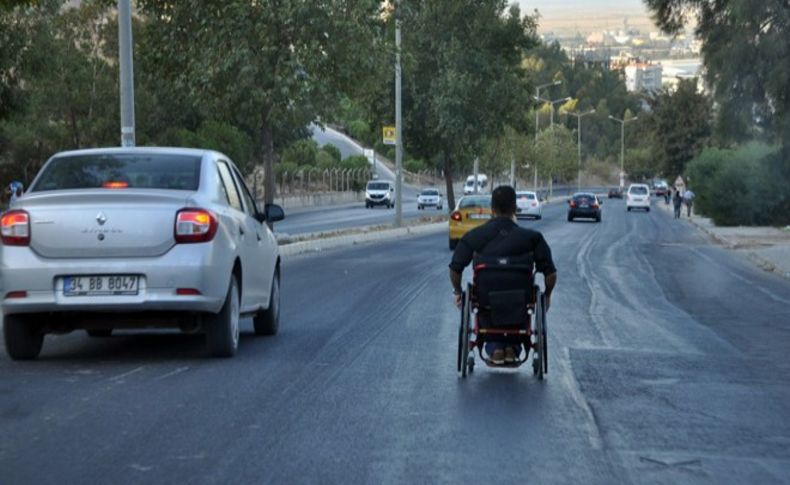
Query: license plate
<point>479,216</point>
<point>101,285</point>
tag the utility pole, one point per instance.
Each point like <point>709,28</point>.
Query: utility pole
<point>622,145</point>
<point>126,72</point>
<point>398,125</point>
<point>579,117</point>
<point>476,170</point>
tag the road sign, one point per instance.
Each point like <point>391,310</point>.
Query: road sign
<point>388,133</point>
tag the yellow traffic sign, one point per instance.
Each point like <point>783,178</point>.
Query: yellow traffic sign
<point>389,135</point>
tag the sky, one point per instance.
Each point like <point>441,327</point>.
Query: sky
<point>587,14</point>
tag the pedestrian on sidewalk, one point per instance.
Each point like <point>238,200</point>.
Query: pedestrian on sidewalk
<point>688,199</point>
<point>677,200</point>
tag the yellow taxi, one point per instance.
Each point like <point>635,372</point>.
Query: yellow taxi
<point>471,211</point>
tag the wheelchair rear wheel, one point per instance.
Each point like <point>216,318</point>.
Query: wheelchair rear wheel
<point>463,337</point>
<point>539,359</point>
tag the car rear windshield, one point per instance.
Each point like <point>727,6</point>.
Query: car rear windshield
<point>638,190</point>
<point>430,192</point>
<point>378,186</point>
<point>528,195</point>
<point>475,202</point>
<point>584,196</point>
<point>148,171</point>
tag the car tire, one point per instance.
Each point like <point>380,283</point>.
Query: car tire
<point>453,244</point>
<point>99,332</point>
<point>438,207</point>
<point>539,216</point>
<point>222,329</point>
<point>267,322</point>
<point>647,209</point>
<point>570,219</point>
<point>23,335</point>
<point>628,209</point>
<point>598,219</point>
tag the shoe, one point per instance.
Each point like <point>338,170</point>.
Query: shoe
<point>498,357</point>
<point>510,355</point>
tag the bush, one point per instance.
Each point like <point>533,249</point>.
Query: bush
<point>214,135</point>
<point>302,152</point>
<point>333,151</point>
<point>742,186</point>
<point>414,165</point>
<point>355,162</point>
<point>325,161</point>
<point>286,167</point>
<point>359,130</point>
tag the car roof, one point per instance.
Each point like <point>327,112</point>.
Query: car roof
<point>197,152</point>
<point>525,192</point>
<point>583,194</point>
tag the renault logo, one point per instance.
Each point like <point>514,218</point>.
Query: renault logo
<point>101,218</point>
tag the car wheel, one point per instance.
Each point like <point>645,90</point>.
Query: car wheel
<point>222,329</point>
<point>539,216</point>
<point>438,207</point>
<point>570,219</point>
<point>99,332</point>
<point>453,244</point>
<point>598,219</point>
<point>628,209</point>
<point>24,336</point>
<point>267,322</point>
<point>647,209</point>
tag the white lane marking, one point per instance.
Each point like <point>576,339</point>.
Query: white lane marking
<point>172,373</point>
<point>126,374</point>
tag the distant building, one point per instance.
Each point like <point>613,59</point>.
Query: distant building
<point>643,77</point>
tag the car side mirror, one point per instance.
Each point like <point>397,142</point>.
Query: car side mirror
<point>392,189</point>
<point>273,213</point>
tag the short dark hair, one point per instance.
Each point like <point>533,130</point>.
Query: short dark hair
<point>503,200</point>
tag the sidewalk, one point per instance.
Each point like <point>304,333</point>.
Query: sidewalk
<point>767,247</point>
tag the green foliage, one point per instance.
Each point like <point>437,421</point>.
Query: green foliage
<point>742,186</point>
<point>325,161</point>
<point>333,151</point>
<point>414,165</point>
<point>681,123</point>
<point>355,162</point>
<point>745,52</point>
<point>555,153</point>
<point>359,130</point>
<point>289,168</point>
<point>301,153</point>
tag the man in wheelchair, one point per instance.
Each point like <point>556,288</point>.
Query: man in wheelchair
<point>502,240</point>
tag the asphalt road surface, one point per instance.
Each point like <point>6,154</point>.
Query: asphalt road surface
<point>668,364</point>
<point>332,218</point>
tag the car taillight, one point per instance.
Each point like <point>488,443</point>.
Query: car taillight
<point>456,216</point>
<point>595,206</point>
<point>195,225</point>
<point>573,203</point>
<point>15,227</point>
<point>115,185</point>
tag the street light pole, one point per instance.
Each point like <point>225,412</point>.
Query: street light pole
<point>398,125</point>
<point>579,117</point>
<point>622,145</point>
<point>537,123</point>
<point>126,72</point>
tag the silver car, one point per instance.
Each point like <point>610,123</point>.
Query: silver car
<point>138,238</point>
<point>528,205</point>
<point>429,198</point>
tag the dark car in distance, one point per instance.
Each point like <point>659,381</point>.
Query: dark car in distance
<point>615,193</point>
<point>584,205</point>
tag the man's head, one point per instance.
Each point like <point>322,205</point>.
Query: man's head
<point>503,201</point>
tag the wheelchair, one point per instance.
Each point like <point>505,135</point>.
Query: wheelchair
<point>503,304</point>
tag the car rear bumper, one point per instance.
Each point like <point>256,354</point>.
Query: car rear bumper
<point>634,203</point>
<point>189,266</point>
<point>590,213</point>
<point>528,211</point>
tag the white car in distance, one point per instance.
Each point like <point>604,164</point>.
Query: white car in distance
<point>429,198</point>
<point>528,205</point>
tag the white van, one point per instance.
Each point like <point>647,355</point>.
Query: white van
<point>380,192</point>
<point>482,184</point>
<point>637,197</point>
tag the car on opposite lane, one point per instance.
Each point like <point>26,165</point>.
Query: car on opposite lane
<point>429,197</point>
<point>471,211</point>
<point>138,238</point>
<point>585,205</point>
<point>379,192</point>
<point>615,193</point>
<point>637,197</point>
<point>528,204</point>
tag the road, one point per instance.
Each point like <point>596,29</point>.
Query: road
<point>668,364</point>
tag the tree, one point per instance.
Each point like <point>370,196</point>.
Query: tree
<point>746,54</point>
<point>681,125</point>
<point>269,67</point>
<point>555,153</point>
<point>463,80</point>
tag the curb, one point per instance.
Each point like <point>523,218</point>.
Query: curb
<point>317,245</point>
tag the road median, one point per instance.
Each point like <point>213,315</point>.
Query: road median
<point>321,241</point>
